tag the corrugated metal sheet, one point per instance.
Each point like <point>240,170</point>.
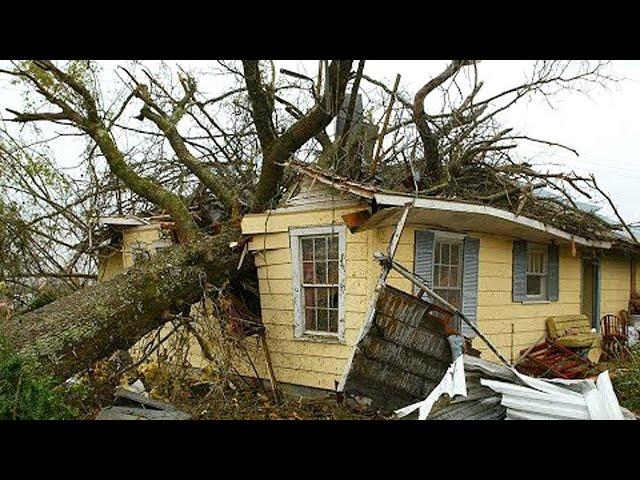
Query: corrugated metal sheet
<point>481,403</point>
<point>405,354</point>
<point>452,384</point>
<point>496,392</point>
<point>537,399</point>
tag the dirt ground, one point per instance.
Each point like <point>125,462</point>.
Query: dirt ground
<point>206,396</point>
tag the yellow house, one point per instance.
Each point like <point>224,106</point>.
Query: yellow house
<point>508,273</point>
<point>129,239</point>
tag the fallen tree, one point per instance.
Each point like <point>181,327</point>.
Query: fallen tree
<point>70,334</point>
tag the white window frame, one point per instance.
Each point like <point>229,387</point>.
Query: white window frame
<point>298,301</point>
<point>451,239</point>
<point>544,249</point>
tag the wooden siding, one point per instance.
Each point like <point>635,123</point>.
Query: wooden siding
<point>497,313</point>
<point>304,361</point>
<point>109,265</point>
<point>615,284</point>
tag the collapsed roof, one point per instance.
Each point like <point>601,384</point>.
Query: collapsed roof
<point>542,220</point>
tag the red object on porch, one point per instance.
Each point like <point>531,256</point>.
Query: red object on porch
<point>614,336</point>
<point>551,360</point>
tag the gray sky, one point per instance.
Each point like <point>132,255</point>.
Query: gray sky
<point>604,127</point>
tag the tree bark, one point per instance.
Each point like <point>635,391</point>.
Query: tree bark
<point>432,160</point>
<point>69,335</point>
<point>275,151</point>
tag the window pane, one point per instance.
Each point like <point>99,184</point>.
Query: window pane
<point>537,261</point>
<point>333,247</point>
<point>309,319</point>
<point>445,253</point>
<point>454,298</point>
<point>444,277</point>
<point>307,272</point>
<point>534,285</point>
<point>333,271</point>
<point>307,248</point>
<point>333,297</point>
<point>309,297</point>
<point>321,248</point>
<point>323,320</point>
<point>453,280</point>
<point>455,254</point>
<point>321,272</point>
<point>323,297</point>
<point>333,321</point>
<point>443,293</point>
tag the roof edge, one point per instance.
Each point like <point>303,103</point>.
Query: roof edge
<point>454,206</point>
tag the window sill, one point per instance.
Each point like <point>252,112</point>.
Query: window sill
<point>535,302</point>
<point>319,338</point>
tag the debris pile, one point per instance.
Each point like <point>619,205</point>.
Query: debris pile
<point>135,404</point>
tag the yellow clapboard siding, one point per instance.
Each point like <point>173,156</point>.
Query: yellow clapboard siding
<point>357,268</point>
<point>356,251</point>
<point>509,311</point>
<point>489,298</point>
<point>306,361</point>
<point>281,222</point>
<point>281,271</point>
<point>383,235</point>
<point>404,252</point>
<point>272,257</point>
<point>270,241</point>
<point>401,284</point>
<point>270,285</point>
<point>285,332</point>
<point>616,282</point>
<point>520,325</point>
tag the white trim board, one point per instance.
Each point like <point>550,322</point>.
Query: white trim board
<point>432,204</point>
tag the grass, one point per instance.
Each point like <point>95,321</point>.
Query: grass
<point>626,380</point>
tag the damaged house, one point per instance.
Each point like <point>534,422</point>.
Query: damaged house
<point>315,257</point>
<point>507,273</point>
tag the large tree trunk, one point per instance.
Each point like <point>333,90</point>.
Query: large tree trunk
<point>72,333</point>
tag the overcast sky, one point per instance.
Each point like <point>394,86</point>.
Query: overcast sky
<point>604,128</point>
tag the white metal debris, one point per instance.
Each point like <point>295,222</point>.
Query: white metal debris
<point>453,383</point>
<point>538,399</point>
<point>124,221</point>
<point>524,397</point>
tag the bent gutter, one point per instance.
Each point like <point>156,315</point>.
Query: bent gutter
<point>432,204</point>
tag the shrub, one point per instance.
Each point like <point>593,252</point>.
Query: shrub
<point>27,395</point>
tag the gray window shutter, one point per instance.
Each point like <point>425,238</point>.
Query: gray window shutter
<point>553,277</point>
<point>470,284</point>
<point>519,291</point>
<point>423,263</point>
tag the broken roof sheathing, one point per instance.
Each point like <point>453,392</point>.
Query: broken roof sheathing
<point>465,215</point>
<point>403,356</point>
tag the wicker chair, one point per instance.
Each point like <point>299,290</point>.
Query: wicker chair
<point>614,336</point>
